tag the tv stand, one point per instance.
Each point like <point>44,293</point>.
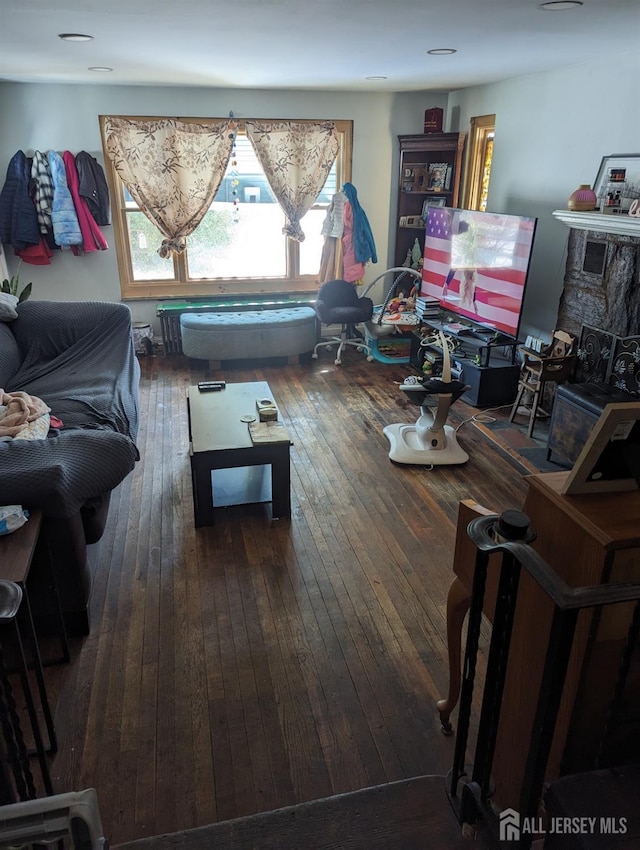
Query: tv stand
<point>484,359</point>
<point>483,339</point>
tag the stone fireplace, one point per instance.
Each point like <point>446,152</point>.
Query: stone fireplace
<point>601,283</point>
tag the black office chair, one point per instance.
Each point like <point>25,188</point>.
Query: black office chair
<point>338,303</point>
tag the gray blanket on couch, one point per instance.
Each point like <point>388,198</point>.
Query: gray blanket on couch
<point>79,359</point>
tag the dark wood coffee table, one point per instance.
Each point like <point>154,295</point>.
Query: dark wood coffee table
<point>227,468</point>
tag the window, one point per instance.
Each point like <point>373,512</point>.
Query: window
<point>236,249</point>
<point>479,162</point>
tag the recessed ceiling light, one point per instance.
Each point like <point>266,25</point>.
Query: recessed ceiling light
<point>74,36</point>
<point>441,51</point>
<point>560,5</point>
<point>99,68</point>
<point>376,78</point>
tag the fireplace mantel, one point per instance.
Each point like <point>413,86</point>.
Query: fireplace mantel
<point>622,225</point>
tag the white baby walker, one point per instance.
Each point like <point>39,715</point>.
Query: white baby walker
<point>430,442</point>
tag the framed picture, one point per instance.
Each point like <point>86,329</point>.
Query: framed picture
<point>437,177</point>
<point>610,459</point>
<point>622,168</point>
<point>414,178</point>
<point>435,201</point>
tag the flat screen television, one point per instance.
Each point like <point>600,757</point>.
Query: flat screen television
<point>476,264</point>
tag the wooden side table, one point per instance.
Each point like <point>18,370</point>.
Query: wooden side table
<point>16,554</point>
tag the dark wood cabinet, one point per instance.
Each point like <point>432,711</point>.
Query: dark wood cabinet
<point>430,171</point>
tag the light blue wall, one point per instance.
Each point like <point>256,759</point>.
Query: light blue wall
<point>552,130</point>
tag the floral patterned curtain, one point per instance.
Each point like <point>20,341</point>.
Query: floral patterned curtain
<point>296,157</point>
<point>171,168</point>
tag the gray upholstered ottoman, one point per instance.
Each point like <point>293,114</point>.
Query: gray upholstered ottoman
<point>288,333</point>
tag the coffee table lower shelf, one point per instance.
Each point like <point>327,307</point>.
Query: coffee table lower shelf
<point>245,482</point>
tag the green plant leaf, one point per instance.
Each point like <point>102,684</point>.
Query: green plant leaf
<point>26,292</point>
<point>5,286</point>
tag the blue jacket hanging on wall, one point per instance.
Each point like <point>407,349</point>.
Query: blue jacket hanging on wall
<point>363,242</point>
<point>18,217</point>
<point>66,229</point>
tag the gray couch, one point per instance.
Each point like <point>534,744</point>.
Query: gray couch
<point>79,359</point>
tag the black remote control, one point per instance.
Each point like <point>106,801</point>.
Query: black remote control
<point>211,386</point>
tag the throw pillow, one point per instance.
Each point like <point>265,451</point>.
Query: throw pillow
<point>8,307</point>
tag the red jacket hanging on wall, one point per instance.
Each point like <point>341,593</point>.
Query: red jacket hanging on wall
<point>92,238</point>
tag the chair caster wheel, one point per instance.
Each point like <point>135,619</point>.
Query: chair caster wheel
<point>337,362</point>
<point>328,347</point>
<point>370,358</point>
<point>314,356</point>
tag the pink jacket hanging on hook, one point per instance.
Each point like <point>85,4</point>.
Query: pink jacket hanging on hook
<point>92,237</point>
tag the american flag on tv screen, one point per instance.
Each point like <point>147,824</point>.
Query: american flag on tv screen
<point>491,250</point>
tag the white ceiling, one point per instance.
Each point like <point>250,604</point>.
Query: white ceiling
<point>307,44</point>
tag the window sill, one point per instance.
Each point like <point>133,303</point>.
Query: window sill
<point>157,290</point>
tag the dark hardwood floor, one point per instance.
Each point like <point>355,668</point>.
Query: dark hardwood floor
<point>251,665</point>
